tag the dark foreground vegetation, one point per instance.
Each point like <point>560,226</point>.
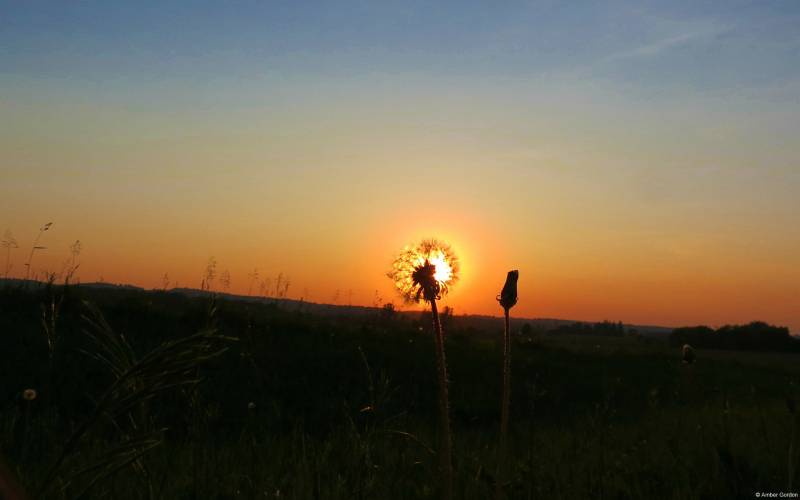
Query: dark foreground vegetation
<point>274,403</point>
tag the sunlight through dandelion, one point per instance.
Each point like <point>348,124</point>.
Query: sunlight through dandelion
<point>425,271</point>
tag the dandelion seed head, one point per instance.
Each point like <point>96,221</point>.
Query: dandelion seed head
<point>29,394</point>
<point>425,271</point>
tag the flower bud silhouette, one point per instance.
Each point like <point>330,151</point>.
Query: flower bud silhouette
<point>508,296</point>
<point>507,299</point>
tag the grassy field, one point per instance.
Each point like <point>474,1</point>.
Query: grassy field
<point>306,406</point>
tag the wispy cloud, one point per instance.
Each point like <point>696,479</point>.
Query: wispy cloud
<point>645,51</point>
<point>656,47</point>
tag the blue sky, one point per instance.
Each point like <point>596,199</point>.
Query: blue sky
<point>698,45</point>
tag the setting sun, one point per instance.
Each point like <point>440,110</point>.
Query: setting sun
<point>443,270</point>
<point>426,270</point>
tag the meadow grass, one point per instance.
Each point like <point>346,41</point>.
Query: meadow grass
<point>305,406</point>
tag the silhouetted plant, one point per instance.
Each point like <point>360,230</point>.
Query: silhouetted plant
<point>10,488</point>
<point>124,403</point>
<point>165,282</point>
<point>75,251</point>
<point>281,286</point>
<point>209,275</point>
<point>253,279</point>
<point>71,266</point>
<point>36,247</point>
<point>8,242</point>
<point>225,280</point>
<point>50,313</point>
<point>426,272</point>
<point>507,299</point>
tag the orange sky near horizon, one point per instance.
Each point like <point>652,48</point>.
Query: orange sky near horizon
<point>582,282</point>
<point>592,240</point>
<point>590,244</point>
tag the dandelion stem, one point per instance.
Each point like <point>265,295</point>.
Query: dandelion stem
<point>445,449</point>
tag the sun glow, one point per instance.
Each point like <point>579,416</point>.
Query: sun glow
<point>443,271</point>
<point>425,271</point>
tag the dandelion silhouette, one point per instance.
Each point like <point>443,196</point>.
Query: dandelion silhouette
<point>426,272</point>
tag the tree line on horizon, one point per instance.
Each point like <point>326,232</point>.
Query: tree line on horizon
<point>754,336</point>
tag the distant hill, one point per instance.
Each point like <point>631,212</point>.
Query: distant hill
<point>14,282</point>
<point>476,321</point>
<point>481,323</point>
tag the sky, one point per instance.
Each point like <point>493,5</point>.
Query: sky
<point>636,161</point>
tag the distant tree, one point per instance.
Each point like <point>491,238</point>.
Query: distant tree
<point>605,328</point>
<point>698,336</point>
<point>757,336</point>
<point>388,311</point>
<point>446,317</point>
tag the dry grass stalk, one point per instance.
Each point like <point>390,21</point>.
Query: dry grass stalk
<point>36,247</point>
